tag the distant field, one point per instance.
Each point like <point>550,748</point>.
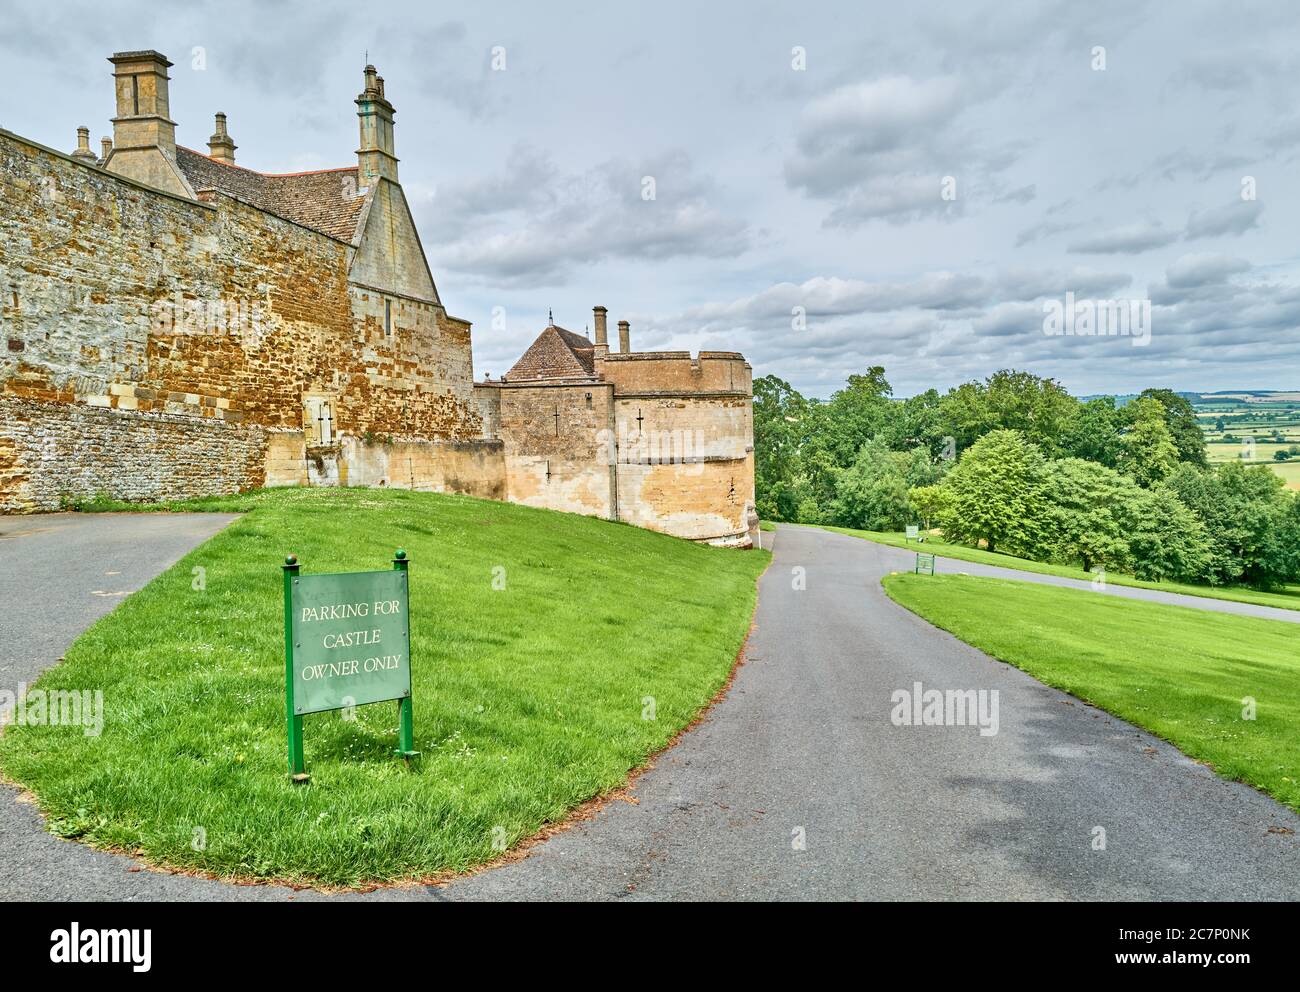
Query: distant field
<point>1225,452</point>
<point>1240,420</point>
<point>1290,472</point>
<point>1271,398</point>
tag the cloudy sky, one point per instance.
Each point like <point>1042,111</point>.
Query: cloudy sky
<point>834,185</point>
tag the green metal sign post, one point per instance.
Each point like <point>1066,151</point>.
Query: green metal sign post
<point>347,642</point>
<point>924,564</point>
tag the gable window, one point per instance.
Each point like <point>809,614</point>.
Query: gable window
<point>388,318</point>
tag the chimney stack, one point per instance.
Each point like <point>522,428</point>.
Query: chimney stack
<point>144,136</point>
<point>143,102</point>
<point>602,335</point>
<point>83,151</point>
<point>106,147</point>
<point>375,158</point>
<point>221,147</point>
<point>624,337</point>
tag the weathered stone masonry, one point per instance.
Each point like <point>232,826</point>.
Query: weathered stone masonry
<point>181,311</point>
<point>657,439</point>
<point>173,325</point>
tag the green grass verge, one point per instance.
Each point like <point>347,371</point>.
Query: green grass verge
<point>527,700</point>
<point>1180,673</point>
<point>1287,598</point>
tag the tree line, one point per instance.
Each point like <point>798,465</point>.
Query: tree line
<point>1016,464</point>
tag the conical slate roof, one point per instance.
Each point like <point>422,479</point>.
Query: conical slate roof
<point>556,354</point>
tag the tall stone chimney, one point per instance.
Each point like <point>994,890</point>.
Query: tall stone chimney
<point>144,136</point>
<point>143,99</point>
<point>602,334</point>
<point>221,147</point>
<point>83,151</point>
<point>375,158</point>
<point>105,148</point>
<point>624,337</point>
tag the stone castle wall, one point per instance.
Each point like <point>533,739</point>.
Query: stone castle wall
<point>686,458</point>
<point>557,464</point>
<point>153,347</point>
<point>55,453</point>
<point>665,442</point>
<point>183,316</point>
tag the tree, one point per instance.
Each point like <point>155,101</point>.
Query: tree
<point>1094,432</point>
<point>1147,448</point>
<point>1251,520</point>
<point>778,414</point>
<point>929,503</point>
<point>1184,428</point>
<point>855,415</point>
<point>1009,400</point>
<point>1085,514</point>
<point>872,493</point>
<point>915,421</point>
<point>1166,539</point>
<point>996,493</point>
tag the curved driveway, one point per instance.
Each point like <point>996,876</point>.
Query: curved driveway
<point>803,746</point>
<point>904,560</point>
<point>798,786</point>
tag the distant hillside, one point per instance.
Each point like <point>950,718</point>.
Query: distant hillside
<point>1220,396</point>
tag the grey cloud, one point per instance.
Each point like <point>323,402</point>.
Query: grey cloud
<point>1023,194</point>
<point>1022,284</point>
<point>818,189</point>
<point>882,149</point>
<point>1008,319</point>
<point>1129,239</point>
<point>1233,218</point>
<point>532,223</point>
<point>1043,229</point>
<point>1207,267</point>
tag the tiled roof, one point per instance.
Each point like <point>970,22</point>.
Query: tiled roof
<point>324,201</point>
<point>556,354</point>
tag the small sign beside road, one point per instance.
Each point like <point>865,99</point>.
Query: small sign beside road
<point>347,642</point>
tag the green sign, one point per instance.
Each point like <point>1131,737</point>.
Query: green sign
<point>347,643</point>
<point>912,531</point>
<point>924,564</point>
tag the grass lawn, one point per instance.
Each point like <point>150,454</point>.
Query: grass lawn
<point>527,700</point>
<point>1287,598</point>
<point>1181,673</point>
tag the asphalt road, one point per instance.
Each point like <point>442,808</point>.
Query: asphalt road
<point>905,560</point>
<point>803,746</point>
<point>60,572</point>
<point>797,785</point>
